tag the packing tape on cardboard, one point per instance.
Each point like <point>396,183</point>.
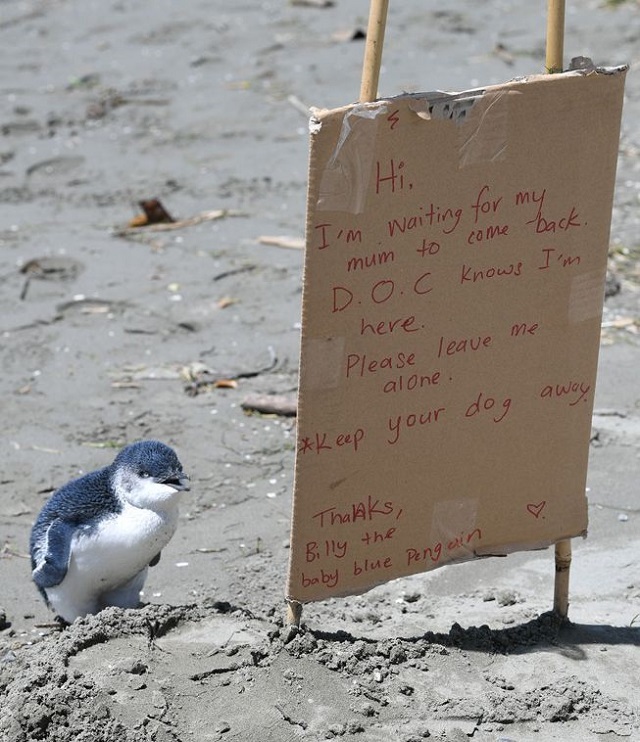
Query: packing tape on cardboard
<point>345,179</point>
<point>586,296</point>
<point>324,362</point>
<point>484,131</point>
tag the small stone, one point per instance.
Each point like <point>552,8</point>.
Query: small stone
<point>412,597</point>
<point>132,666</point>
<point>354,727</point>
<point>397,655</point>
<point>507,597</point>
<point>367,709</point>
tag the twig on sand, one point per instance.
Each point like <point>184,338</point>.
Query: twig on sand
<point>204,378</point>
<point>205,216</point>
<point>272,404</point>
<point>291,243</point>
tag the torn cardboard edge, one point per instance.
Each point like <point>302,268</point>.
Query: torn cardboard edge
<point>439,104</point>
<point>482,138</point>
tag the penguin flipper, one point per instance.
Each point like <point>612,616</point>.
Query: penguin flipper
<point>53,560</point>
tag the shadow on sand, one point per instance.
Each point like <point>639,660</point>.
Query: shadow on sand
<point>546,632</point>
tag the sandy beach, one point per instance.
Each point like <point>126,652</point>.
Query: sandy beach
<point>110,334</point>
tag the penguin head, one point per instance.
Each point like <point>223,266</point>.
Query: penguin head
<point>148,474</point>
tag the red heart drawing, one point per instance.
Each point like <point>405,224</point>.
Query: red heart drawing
<point>536,509</point>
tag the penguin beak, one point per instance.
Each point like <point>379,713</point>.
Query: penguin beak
<point>180,482</point>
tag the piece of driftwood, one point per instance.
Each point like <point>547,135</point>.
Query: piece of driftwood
<point>271,404</point>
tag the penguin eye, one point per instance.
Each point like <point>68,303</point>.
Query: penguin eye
<point>144,474</point>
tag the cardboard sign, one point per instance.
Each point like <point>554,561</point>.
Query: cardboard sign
<point>455,265</point>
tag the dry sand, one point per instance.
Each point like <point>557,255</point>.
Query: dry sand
<point>202,104</point>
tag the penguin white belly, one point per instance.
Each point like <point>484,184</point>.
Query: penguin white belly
<point>108,564</point>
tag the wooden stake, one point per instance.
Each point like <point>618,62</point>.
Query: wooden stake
<point>373,50</point>
<point>368,92</point>
<point>555,63</point>
<point>555,36</point>
<point>561,588</point>
<point>294,613</point>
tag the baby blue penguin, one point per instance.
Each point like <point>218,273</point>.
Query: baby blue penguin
<point>95,538</point>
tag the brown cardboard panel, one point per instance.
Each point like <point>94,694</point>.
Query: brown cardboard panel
<point>454,272</point>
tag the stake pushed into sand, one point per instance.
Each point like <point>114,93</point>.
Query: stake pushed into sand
<point>554,63</point>
<point>368,92</point>
<point>373,50</point>
<point>555,36</point>
<point>561,588</point>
